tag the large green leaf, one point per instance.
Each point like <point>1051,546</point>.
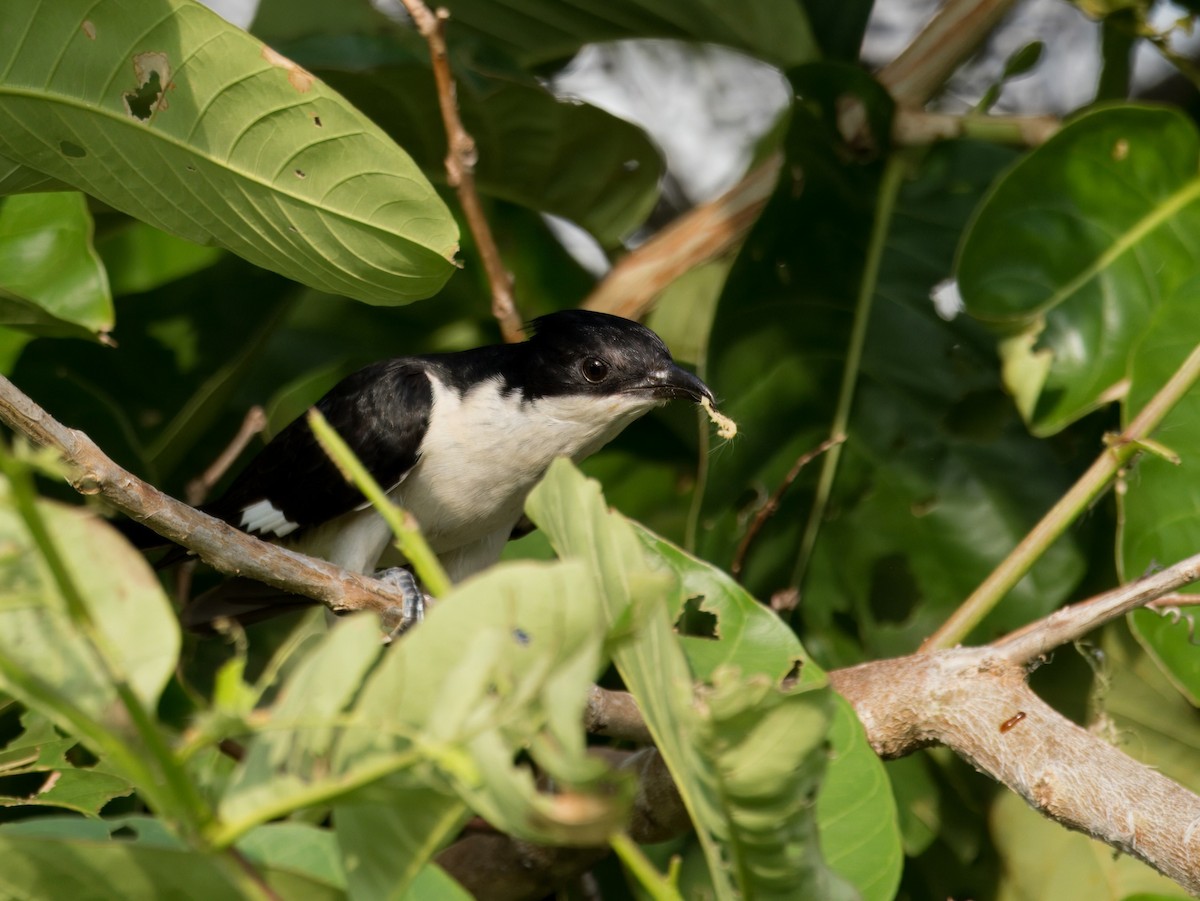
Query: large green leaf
<point>1077,247</point>
<point>744,748</point>
<point>48,267</point>
<point>856,813</point>
<point>388,834</point>
<point>1086,247</point>
<point>165,111</point>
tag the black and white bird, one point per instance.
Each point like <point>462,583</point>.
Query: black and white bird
<point>457,439</point>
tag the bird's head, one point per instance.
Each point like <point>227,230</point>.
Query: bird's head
<point>579,352</point>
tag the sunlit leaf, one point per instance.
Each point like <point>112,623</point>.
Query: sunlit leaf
<point>1081,243</point>
<point>142,105</point>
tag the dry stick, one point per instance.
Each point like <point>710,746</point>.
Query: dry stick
<point>931,58</point>
<point>219,544</point>
<point>1077,620</point>
<point>772,505</point>
<point>704,233</point>
<point>461,156</point>
<point>1078,498</point>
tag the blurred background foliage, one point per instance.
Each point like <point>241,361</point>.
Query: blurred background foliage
<point>1075,259</point>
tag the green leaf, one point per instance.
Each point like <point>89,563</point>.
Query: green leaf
<point>141,106</point>
<point>389,833</point>
<point>938,479</point>
<point>48,664</point>
<point>1041,859</point>
<point>856,812</point>
<point>747,635</point>
<point>745,751</point>
<point>296,848</point>
<point>52,868</point>
<point>83,791</point>
<point>18,179</point>
<point>563,157</point>
<point>1160,507</point>
<point>47,263</point>
<point>500,663</point>
<point>1079,245</point>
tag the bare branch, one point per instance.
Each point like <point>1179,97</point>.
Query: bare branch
<point>939,48</point>
<point>768,509</point>
<point>978,704</point>
<point>223,547</point>
<point>1077,620</point>
<point>461,156</point>
<point>704,233</point>
<point>616,715</point>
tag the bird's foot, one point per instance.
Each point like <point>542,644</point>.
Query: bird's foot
<point>412,608</point>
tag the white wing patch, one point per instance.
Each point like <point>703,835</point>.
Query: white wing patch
<point>263,516</point>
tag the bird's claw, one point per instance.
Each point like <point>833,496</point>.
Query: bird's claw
<point>415,603</point>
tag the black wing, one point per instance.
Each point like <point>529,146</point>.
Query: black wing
<point>381,411</point>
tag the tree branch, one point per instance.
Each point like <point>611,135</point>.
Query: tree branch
<point>939,48</point>
<point>976,702</point>
<point>704,233</point>
<point>218,544</point>
<point>461,156</point>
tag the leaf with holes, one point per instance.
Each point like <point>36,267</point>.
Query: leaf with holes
<point>165,111</point>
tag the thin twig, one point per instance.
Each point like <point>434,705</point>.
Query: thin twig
<point>916,127</point>
<point>1174,599</point>
<point>1079,497</point>
<point>253,424</point>
<point>461,156</point>
<point>772,505</point>
<point>1075,621</point>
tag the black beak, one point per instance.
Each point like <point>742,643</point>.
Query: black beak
<point>674,383</point>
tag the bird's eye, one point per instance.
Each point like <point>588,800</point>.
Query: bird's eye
<point>594,369</point>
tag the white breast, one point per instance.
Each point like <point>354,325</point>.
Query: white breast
<point>485,450</point>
